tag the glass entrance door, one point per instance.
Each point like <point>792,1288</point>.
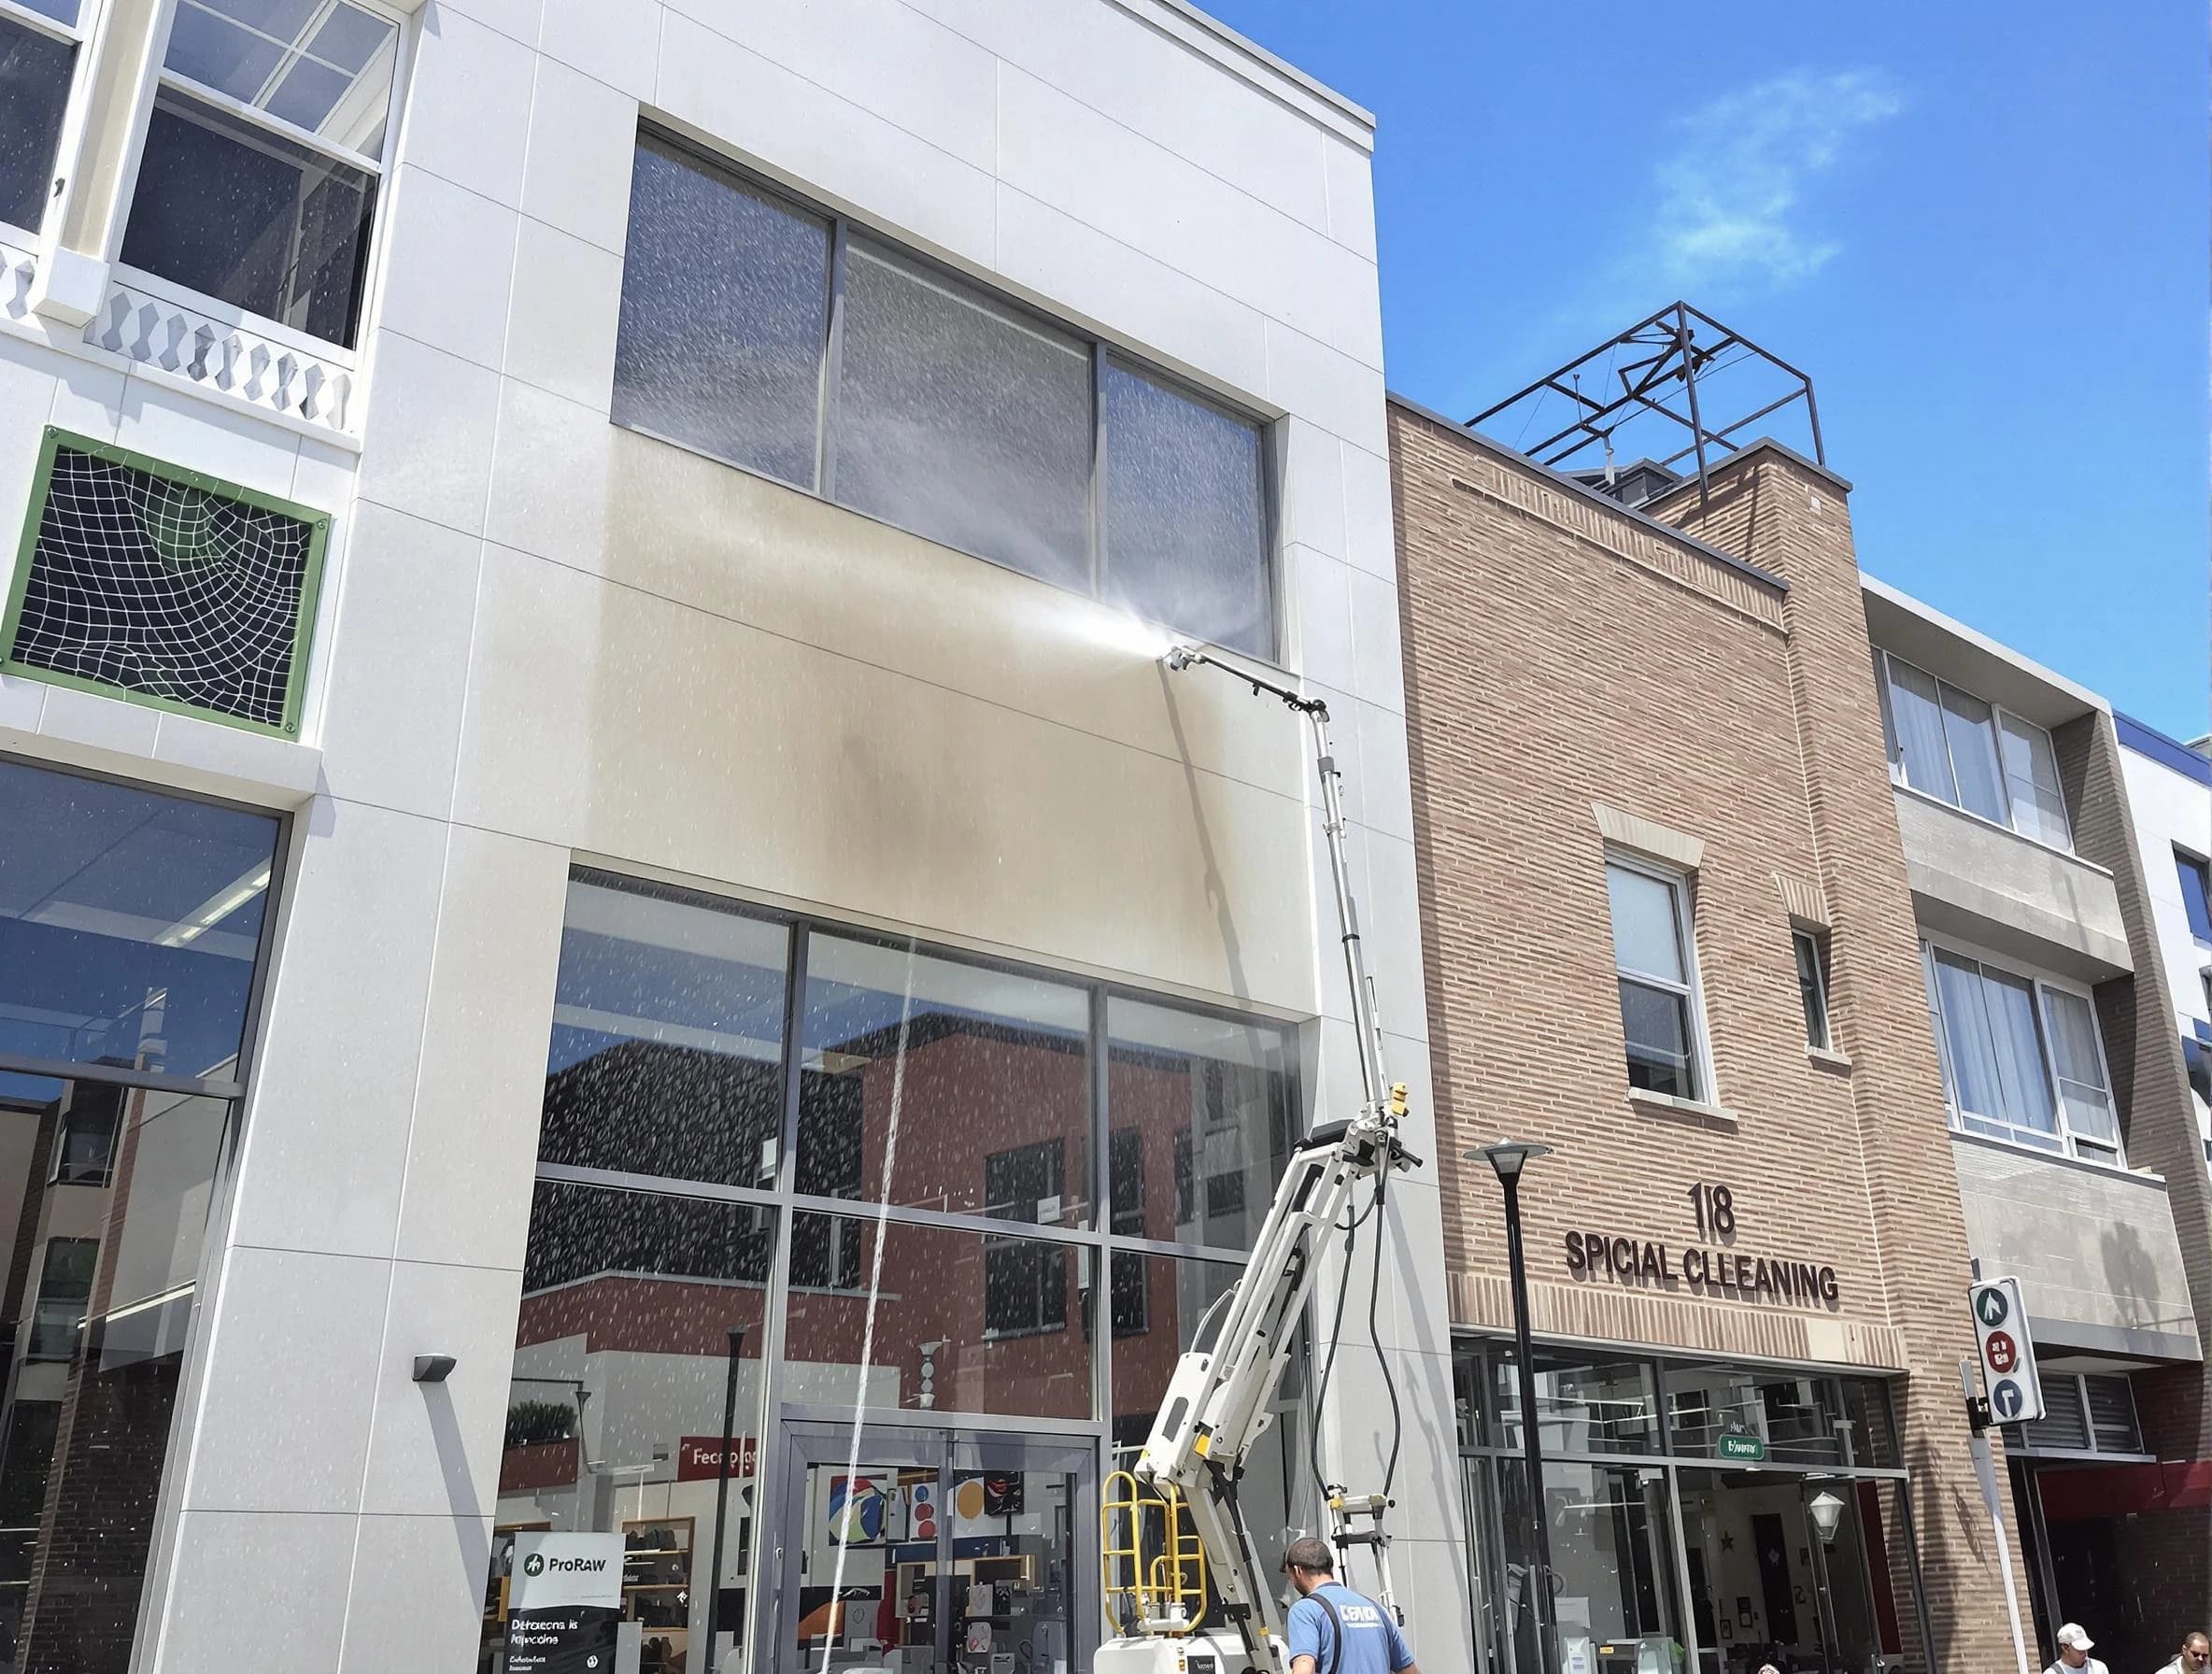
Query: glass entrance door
<point>936,1551</point>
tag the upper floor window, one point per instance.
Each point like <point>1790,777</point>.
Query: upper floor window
<point>39,41</point>
<point>1957,748</point>
<point>786,340</point>
<point>1812,984</point>
<point>2022,1060</point>
<point>264,156</point>
<point>1660,1015</point>
<point>2196,892</point>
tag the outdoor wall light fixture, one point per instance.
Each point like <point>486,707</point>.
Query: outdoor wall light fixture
<point>1827,1515</point>
<point>434,1368</point>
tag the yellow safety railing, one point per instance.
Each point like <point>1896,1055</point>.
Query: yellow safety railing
<point>1151,1566</point>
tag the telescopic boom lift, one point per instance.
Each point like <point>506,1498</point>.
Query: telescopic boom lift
<point>1217,1402</point>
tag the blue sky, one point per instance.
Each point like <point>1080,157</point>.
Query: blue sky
<point>1981,228</point>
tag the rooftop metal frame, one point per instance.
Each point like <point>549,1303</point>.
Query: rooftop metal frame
<point>1684,346</point>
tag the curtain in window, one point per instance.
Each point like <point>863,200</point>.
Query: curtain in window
<point>1966,725</point>
<point>2020,1052</point>
<point>2082,1070</point>
<point>1976,1088</point>
<point>1917,713</point>
<point>2031,776</point>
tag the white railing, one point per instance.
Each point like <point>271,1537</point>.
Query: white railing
<point>19,266</point>
<point>237,360</point>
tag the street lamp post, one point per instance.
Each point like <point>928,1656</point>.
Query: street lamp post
<point>1508,1158</point>
<point>713,1580</point>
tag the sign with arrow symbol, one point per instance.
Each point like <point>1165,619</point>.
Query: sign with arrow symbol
<point>2008,1351</point>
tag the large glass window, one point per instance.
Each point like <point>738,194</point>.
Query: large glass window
<point>1659,1010</point>
<point>2196,892</point>
<point>1604,1407</point>
<point>782,339</point>
<point>667,1047</point>
<point>129,924</point>
<point>2022,1057</point>
<point>39,40</point>
<point>1210,1117</point>
<point>733,368</point>
<point>923,1078</point>
<point>1185,502</point>
<point>1959,749</point>
<point>265,157</point>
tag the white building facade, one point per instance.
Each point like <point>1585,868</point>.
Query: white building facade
<point>583,770</point>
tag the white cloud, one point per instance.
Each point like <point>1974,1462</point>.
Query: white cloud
<point>1730,215</point>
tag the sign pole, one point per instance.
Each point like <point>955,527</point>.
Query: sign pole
<point>713,1580</point>
<point>1985,1467</point>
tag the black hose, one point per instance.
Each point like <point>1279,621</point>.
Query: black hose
<point>1374,1331</point>
<point>1329,1360</point>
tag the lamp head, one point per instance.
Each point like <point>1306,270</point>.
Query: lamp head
<point>1827,1515</point>
<point>1178,658</point>
<point>1509,1157</point>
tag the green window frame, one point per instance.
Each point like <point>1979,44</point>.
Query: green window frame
<point>12,621</point>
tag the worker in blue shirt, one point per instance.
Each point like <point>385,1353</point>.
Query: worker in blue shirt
<point>1332,1630</point>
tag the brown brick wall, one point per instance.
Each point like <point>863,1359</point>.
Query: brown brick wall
<point>1560,654</point>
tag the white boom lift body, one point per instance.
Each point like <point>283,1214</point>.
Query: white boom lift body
<point>1216,1405</point>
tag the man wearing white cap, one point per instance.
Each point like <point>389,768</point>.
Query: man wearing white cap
<point>2074,1652</point>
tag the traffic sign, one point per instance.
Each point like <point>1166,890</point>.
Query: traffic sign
<point>2008,1351</point>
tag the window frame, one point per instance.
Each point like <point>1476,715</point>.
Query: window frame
<point>79,35</point>
<point>311,578</point>
<point>1894,750</point>
<point>378,168</point>
<point>1809,949</point>
<point>2187,861</point>
<point>844,230</point>
<point>1679,881</point>
<point>2074,1147</point>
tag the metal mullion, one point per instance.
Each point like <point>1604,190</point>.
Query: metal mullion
<point>832,365</point>
<point>1162,1246</point>
<point>233,105</point>
<point>860,1209</point>
<point>1098,444</point>
<point>61,1069</point>
<point>763,1602</point>
<point>1102,1220</point>
<point>841,1418</point>
<point>660,1186</point>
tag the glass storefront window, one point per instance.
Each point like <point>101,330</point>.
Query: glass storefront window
<point>1802,1417</point>
<point>957,1322</point>
<point>987,1111</point>
<point>1612,1577</point>
<point>1582,1406</point>
<point>615,1408</point>
<point>98,1321</point>
<point>129,923</point>
<point>1203,1117</point>
<point>667,1047</point>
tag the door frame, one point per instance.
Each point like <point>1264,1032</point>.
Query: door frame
<point>955,1445</point>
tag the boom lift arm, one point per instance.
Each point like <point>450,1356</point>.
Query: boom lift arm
<point>1216,1405</point>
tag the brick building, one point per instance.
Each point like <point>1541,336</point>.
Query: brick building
<point>1670,932</point>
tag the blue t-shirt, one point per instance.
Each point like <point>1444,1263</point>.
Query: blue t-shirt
<point>1372,1643</point>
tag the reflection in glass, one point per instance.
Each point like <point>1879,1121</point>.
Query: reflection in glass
<point>1802,1417</point>
<point>1612,1574</point>
<point>989,1110</point>
<point>929,1342</point>
<point>99,1302</point>
<point>322,65</point>
<point>34,76</point>
<point>666,1050</point>
<point>1767,1585</point>
<point>725,312</point>
<point>129,922</point>
<point>615,1410</point>
<point>963,420</point>
<point>1202,1118</point>
<point>1186,511</point>
<point>1608,1407</point>
<point>237,211</point>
